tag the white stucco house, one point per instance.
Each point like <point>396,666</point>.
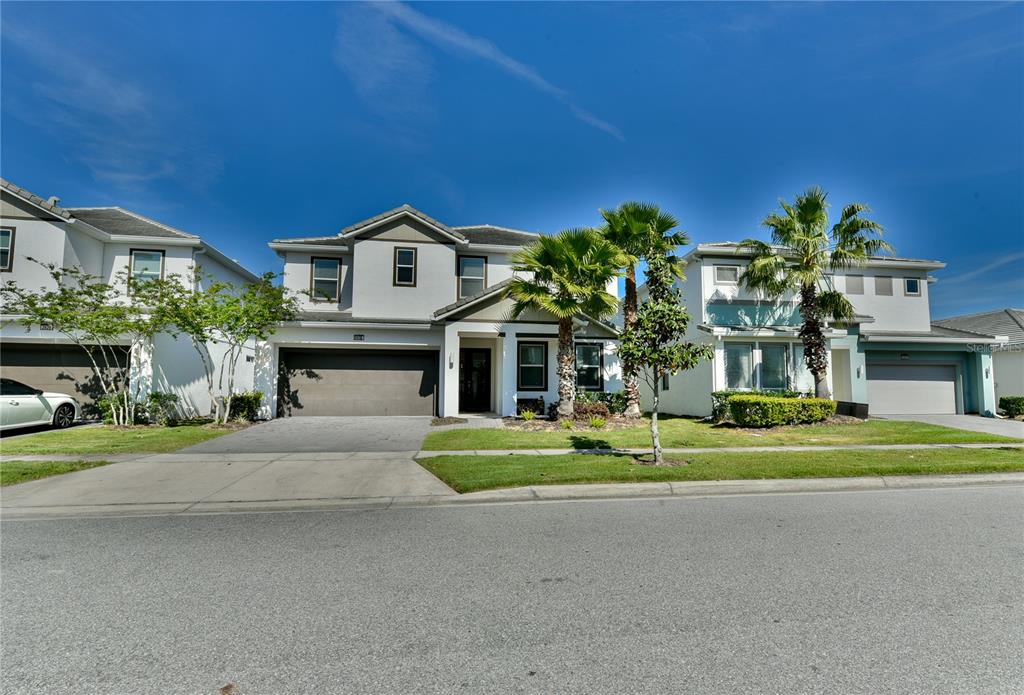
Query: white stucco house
<point>103,241</point>
<point>1007,358</point>
<point>890,360</point>
<point>405,315</point>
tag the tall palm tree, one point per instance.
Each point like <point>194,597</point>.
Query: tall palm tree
<point>802,251</point>
<point>566,275</point>
<point>642,231</point>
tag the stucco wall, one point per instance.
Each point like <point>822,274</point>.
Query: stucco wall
<point>1009,372</point>
<point>297,269</point>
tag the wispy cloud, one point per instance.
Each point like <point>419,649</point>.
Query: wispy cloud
<point>119,129</point>
<point>985,269</point>
<point>376,54</point>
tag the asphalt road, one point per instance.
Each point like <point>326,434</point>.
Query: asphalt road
<point>869,592</point>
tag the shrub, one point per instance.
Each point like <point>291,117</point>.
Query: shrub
<point>163,408</point>
<point>720,400</point>
<point>583,410</point>
<point>597,422</point>
<point>534,404</point>
<point>753,410</point>
<point>567,424</point>
<point>246,405</point>
<point>1013,406</point>
<point>527,415</point>
<point>107,404</point>
<point>615,400</point>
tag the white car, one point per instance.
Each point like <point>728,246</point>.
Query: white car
<point>24,406</point>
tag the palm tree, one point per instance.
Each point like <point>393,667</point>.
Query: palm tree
<point>802,251</point>
<point>566,275</point>
<point>642,231</point>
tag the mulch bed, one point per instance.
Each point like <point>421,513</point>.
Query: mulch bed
<point>440,421</point>
<point>612,423</point>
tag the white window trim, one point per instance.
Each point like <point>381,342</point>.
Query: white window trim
<point>906,290</point>
<point>336,279</point>
<point>461,276</point>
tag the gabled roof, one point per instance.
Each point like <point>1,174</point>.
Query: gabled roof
<point>31,197</point>
<point>734,248</point>
<point>489,234</point>
<point>115,220</point>
<point>404,210</point>
<point>472,299</point>
<point>314,241</point>
<point>1008,322</point>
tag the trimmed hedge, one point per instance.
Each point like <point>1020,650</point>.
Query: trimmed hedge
<point>1013,406</point>
<point>246,405</point>
<point>720,400</point>
<point>769,411</point>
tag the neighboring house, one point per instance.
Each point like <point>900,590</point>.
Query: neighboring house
<point>103,242</point>
<point>405,315</point>
<point>1008,358</point>
<point>890,360</point>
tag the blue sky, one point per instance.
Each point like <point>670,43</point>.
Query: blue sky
<point>245,122</point>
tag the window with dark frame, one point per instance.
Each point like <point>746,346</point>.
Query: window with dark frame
<point>739,366</point>
<point>325,279</point>
<point>472,277</point>
<point>912,287</point>
<point>405,267</point>
<point>532,367</point>
<point>6,249</point>
<point>665,381</point>
<point>146,265</point>
<point>589,363</point>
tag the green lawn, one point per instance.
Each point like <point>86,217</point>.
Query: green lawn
<point>111,440</point>
<point>684,432</point>
<point>472,473</point>
<point>14,472</point>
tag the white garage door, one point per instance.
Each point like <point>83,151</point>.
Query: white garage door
<point>901,389</point>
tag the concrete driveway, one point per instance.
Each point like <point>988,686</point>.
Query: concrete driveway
<point>174,483</point>
<point>974,423</point>
<point>321,435</point>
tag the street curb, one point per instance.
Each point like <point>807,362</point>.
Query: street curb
<point>539,493</point>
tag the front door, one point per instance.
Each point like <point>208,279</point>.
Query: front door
<point>474,380</point>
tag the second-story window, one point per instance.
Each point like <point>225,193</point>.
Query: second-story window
<point>883,285</point>
<point>854,284</point>
<point>6,249</point>
<point>472,275</point>
<point>147,265</point>
<point>727,274</point>
<point>912,287</point>
<point>325,279</point>
<point>405,267</point>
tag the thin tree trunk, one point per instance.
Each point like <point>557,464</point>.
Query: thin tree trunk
<point>659,457</point>
<point>566,370</point>
<point>812,335</point>
<point>630,377</point>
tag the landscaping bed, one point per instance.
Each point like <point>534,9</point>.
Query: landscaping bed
<point>679,432</point>
<point>110,439</point>
<point>474,473</point>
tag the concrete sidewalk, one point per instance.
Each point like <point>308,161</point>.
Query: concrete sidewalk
<point>711,450</point>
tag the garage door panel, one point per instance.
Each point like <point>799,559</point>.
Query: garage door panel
<point>358,382</point>
<point>56,368</point>
<point>911,389</point>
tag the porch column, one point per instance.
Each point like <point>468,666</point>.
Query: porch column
<point>507,402</point>
<point>986,383</point>
<point>264,377</point>
<point>449,382</point>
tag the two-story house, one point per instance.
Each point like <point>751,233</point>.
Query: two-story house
<point>104,242</point>
<point>405,315</point>
<point>890,359</point>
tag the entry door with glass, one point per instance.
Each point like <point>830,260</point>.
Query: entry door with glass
<point>474,380</point>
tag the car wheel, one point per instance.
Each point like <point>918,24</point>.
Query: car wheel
<point>64,416</point>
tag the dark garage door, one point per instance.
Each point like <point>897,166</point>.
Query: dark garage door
<point>357,382</point>
<point>58,368</point>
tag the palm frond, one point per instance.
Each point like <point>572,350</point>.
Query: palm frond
<point>835,305</point>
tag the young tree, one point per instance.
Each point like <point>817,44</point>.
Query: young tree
<point>566,275</point>
<point>102,319</point>
<point>250,315</point>
<point>641,231</point>
<point>802,251</point>
<point>654,341</point>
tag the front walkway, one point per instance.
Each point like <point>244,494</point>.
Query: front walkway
<point>973,423</point>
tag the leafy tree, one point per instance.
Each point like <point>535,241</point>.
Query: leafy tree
<point>566,275</point>
<point>105,320</point>
<point>642,231</point>
<point>655,340</point>
<point>803,250</point>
